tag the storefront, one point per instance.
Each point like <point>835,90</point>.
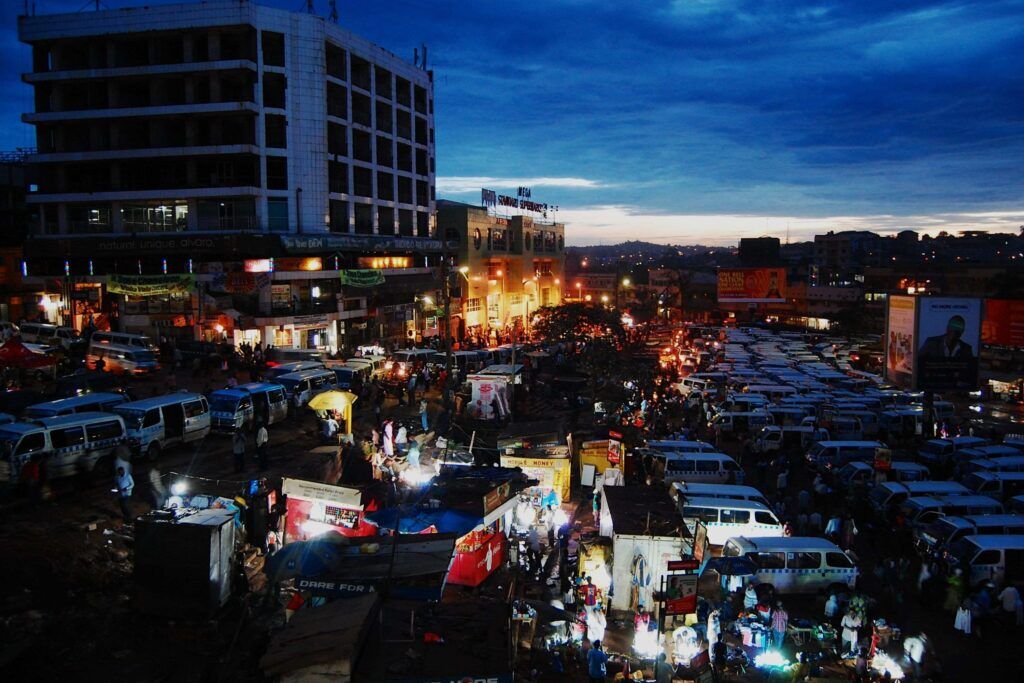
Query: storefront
<point>551,467</point>
<point>314,508</point>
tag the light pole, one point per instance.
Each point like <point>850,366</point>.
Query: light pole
<point>579,291</point>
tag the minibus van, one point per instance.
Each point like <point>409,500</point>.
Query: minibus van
<point>1001,485</point>
<point>136,341</point>
<point>773,392</point>
<point>740,423</point>
<point>119,359</point>
<point>941,451</point>
<point>157,423</point>
<point>99,401</point>
<point>727,519</point>
<point>831,455</point>
<point>999,559</point>
<point>724,491</point>
<point>378,364</point>
<point>302,386</point>
<point>795,564</point>
<point>892,493</point>
<point>416,356</point>
<point>935,537</point>
<point>70,444</point>
<point>858,474</point>
<point>1002,463</point>
<point>351,376</point>
<point>709,468</point>
<point>680,446</point>
<point>293,366</point>
<point>920,510</point>
<point>238,408</point>
<point>44,333</point>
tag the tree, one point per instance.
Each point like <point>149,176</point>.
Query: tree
<point>578,322</point>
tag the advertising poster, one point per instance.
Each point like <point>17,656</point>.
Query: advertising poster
<point>948,341</point>
<point>681,593</point>
<point>899,341</point>
<point>1004,322</point>
<point>751,285</point>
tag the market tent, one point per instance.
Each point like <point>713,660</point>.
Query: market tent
<point>415,521</point>
<point>15,354</point>
<point>342,401</point>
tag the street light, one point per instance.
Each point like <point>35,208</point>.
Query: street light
<point>579,291</point>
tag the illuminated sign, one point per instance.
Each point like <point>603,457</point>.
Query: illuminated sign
<point>259,265</point>
<point>491,199</point>
<point>306,263</point>
<point>751,285</point>
<point>385,262</point>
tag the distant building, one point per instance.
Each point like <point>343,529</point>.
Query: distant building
<point>839,255</point>
<point>759,251</point>
<point>14,220</point>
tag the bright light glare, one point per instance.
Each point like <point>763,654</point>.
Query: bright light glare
<point>884,664</point>
<point>771,659</point>
<point>415,476</point>
<point>179,488</point>
<point>464,269</point>
<point>313,528</point>
<point>645,644</point>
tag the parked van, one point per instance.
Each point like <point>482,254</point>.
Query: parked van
<point>941,451</point>
<point>1015,504</point>
<point>709,468</point>
<point>935,537</point>
<point>237,408</point>
<point>1001,485</point>
<point>740,423</point>
<point>282,355</point>
<point>858,474</point>
<point>999,559</point>
<point>892,493</point>
<point>724,491</point>
<point>92,402</point>
<point>831,455</point>
<point>1004,463</point>
<point>137,341</point>
<point>293,366</point>
<point>302,386</point>
<point>921,510</point>
<point>377,364</point>
<point>157,423</point>
<point>902,421</point>
<point>69,444</point>
<point>415,356</point>
<point>726,519</point>
<point>773,392</point>
<point>351,376</point>
<point>691,384</point>
<point>795,564</point>
<point>122,359</point>
<point>681,446</point>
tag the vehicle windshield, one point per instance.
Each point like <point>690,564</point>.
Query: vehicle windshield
<point>941,530</point>
<point>879,494</point>
<point>817,449</point>
<point>287,383</point>
<point>963,550</point>
<point>8,440</point>
<point>224,404</point>
<point>132,417</point>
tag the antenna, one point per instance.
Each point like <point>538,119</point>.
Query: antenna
<point>415,56</point>
<point>787,233</point>
<point>424,56</point>
<point>334,11</point>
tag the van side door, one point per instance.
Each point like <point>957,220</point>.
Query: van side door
<point>197,419</point>
<point>68,450</point>
<point>278,406</point>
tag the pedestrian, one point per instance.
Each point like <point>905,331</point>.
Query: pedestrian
<point>714,632</point>
<point>533,552</point>
<point>423,413</point>
<point>125,487</point>
<point>663,671</point>
<point>962,620</point>
<point>388,439</point>
<point>851,631</point>
<point>157,490</point>
<point>914,649</point>
<point>597,663</point>
<point>955,591</point>
<point>780,623</point>
<point>1009,598</point>
<point>330,428</point>
<point>411,386</point>
<point>238,450</point>
<point>814,521</point>
<point>402,438</point>
<point>750,597</point>
<point>261,447</point>
<point>782,481</point>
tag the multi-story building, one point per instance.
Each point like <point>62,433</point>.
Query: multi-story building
<point>756,252</point>
<point>205,139</point>
<point>508,267</point>
<point>839,255</point>
<point>14,217</point>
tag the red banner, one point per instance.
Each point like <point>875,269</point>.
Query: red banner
<point>751,285</point>
<point>471,567</point>
<point>681,594</point>
<point>1003,324</point>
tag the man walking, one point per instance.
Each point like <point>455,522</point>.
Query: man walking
<point>780,622</point>
<point>423,413</point>
<point>238,449</point>
<point>597,663</point>
<point>125,487</point>
<point>261,447</point>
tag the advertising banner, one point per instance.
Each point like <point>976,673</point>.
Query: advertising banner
<point>361,278</point>
<point>551,473</point>
<point>751,285</point>
<point>899,341</point>
<point>681,593</point>
<point>1004,322</point>
<point>948,341</point>
<point>151,285</point>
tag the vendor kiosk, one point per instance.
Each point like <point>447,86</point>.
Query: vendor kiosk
<point>314,508</point>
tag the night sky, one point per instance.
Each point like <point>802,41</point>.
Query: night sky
<point>701,121</point>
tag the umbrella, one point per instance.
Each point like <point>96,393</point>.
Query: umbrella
<point>333,400</point>
<point>732,566</point>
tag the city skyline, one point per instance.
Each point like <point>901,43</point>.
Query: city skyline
<point>743,120</point>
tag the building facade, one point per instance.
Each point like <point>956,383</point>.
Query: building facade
<point>254,149</point>
<point>507,268</point>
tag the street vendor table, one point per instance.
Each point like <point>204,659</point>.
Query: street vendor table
<point>800,635</point>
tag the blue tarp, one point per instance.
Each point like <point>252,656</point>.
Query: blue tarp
<point>416,520</point>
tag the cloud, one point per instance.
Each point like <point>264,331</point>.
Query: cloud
<point>612,224</point>
<point>467,184</point>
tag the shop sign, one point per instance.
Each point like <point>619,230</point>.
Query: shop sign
<point>320,319</point>
<point>614,448</point>
<point>333,588</point>
<point>684,565</point>
<point>681,593</point>
<point>239,283</point>
<point>296,244</point>
<point>493,499</point>
<point>312,490</point>
<point>366,277</point>
<point>151,285</point>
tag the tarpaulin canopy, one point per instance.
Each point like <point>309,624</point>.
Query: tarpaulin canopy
<point>15,354</point>
<point>415,521</point>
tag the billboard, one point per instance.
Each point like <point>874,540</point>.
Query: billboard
<point>751,285</point>
<point>1004,322</point>
<point>899,341</point>
<point>948,342</point>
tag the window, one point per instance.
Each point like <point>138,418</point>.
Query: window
<point>987,557</point>
<point>422,193</point>
<point>706,515</point>
<point>104,430</point>
<point>276,396</point>
<point>405,224</point>
<point>339,215</point>
<point>337,100</point>
<point>337,177</point>
<point>31,443</point>
<point>362,146</point>
<point>275,129</point>
<point>421,99</point>
<point>762,517</point>
<point>277,173</point>
<point>384,117</point>
<point>735,516</point>
<point>768,560</point>
<point>838,560</point>
<point>152,418</point>
<point>474,305</point>
<point>402,91</point>
<point>245,403</point>
<point>707,466</point>
<point>362,113</point>
<point>382,78</point>
<point>385,186</point>
<point>360,72</point>
<point>362,181</point>
<point>336,62</point>
<point>154,217</point>
<point>274,86</point>
<point>405,191</point>
<point>364,219</point>
<point>193,409</point>
<point>277,214</point>
<point>803,560</point>
<point>421,130</point>
<point>404,157</point>
<point>385,220</point>
<point>273,48</point>
<point>337,139</point>
<point>67,438</point>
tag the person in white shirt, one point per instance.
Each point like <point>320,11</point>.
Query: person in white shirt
<point>261,447</point>
<point>402,438</point>
<point>330,428</point>
<point>1010,599</point>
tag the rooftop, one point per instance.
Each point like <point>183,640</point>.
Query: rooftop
<point>644,511</point>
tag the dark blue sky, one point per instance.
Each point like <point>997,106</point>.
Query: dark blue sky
<point>705,120</point>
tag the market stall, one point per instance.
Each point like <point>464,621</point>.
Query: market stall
<point>551,467</point>
<point>314,508</point>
